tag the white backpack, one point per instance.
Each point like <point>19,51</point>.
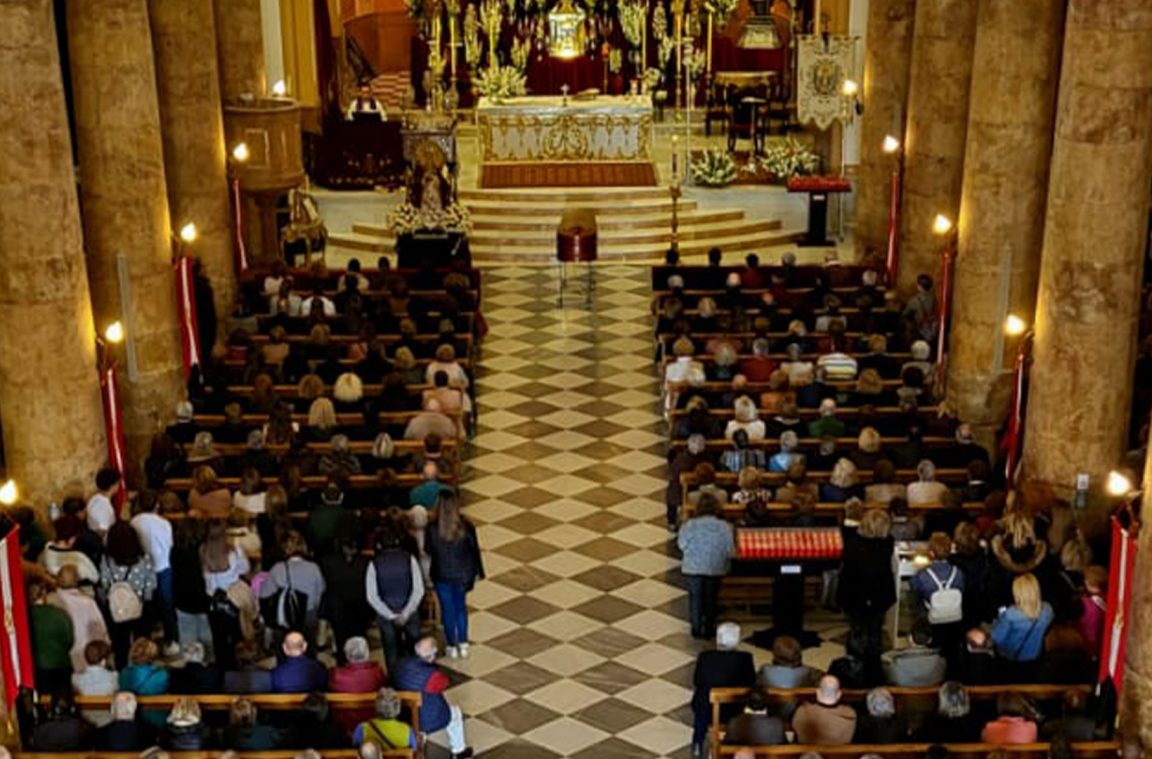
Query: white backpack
<point>124,602</point>
<point>946,604</point>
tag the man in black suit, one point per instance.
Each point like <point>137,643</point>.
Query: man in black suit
<point>977,663</point>
<point>755,727</point>
<point>725,667</point>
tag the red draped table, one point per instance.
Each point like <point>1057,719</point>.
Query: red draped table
<point>818,190</point>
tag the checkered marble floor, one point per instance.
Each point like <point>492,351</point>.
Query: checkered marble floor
<point>580,641</point>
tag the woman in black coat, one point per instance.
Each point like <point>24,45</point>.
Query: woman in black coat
<point>867,586</point>
<point>452,544</point>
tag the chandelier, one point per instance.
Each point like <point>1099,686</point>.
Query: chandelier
<point>565,31</point>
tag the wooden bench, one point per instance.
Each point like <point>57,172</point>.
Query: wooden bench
<point>1092,750</point>
<point>864,477</point>
<point>772,444</point>
<point>257,420</point>
<point>261,338</point>
<point>838,273</point>
<point>708,358</point>
<point>355,482</point>
<point>734,512</point>
<point>813,413</point>
<point>718,697</point>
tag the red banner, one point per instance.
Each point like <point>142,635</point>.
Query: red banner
<point>1014,434</point>
<point>186,305</point>
<point>113,425</point>
<point>238,211</point>
<point>1120,570</point>
<point>15,643</point>
<point>945,302</point>
<point>894,230</point>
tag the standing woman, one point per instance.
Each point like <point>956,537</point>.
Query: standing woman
<point>452,544</point>
<point>222,566</point>
<point>867,584</point>
<point>125,561</point>
<point>706,546</point>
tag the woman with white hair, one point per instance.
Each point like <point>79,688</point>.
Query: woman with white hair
<point>726,667</point>
<point>360,674</point>
<point>124,732</point>
<point>921,351</point>
<point>926,491</point>
<point>788,454</point>
<point>747,418</point>
<point>682,371</point>
<point>881,724</point>
<point>842,484</point>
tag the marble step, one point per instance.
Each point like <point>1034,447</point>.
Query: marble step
<point>661,235</point>
<point>553,208</point>
<point>564,194</point>
<point>530,223</point>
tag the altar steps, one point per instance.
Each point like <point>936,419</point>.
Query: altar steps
<point>633,224</point>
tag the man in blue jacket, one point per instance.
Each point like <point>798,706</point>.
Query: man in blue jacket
<point>420,673</point>
<point>298,673</point>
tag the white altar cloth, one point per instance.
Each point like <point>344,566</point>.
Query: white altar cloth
<point>530,129</point>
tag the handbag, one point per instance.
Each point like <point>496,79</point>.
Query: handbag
<point>287,608</point>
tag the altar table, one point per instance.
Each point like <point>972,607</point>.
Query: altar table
<point>533,129</point>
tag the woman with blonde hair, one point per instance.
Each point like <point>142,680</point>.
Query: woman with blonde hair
<point>867,451</point>
<point>348,392</point>
<point>185,730</point>
<point>321,420</point>
<point>1019,630</point>
<point>222,565</point>
<point>842,483</point>
<point>1018,550</point>
<point>867,585</point>
<point>142,676</point>
<point>405,364</point>
<point>454,548</point>
<point>208,499</point>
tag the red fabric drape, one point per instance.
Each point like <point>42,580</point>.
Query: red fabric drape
<point>1116,616</point>
<point>113,424</point>
<point>15,643</point>
<point>186,306</point>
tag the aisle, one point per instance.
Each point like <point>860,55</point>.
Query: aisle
<point>581,648</point>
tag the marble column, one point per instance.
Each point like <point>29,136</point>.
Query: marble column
<point>125,208</point>
<point>941,72</point>
<point>49,387</point>
<point>192,126</point>
<point>1136,701</point>
<point>1001,224</point>
<point>885,96</point>
<point>240,45</point>
<point>1094,237</point>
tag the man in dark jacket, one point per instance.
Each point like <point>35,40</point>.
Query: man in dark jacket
<point>420,673</point>
<point>755,727</point>
<point>394,584</point>
<point>298,673</point>
<point>725,667</point>
<point>195,677</point>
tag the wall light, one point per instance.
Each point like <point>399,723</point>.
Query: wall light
<point>240,153</point>
<point>188,232</point>
<point>9,493</point>
<point>114,333</point>
<point>1014,326</point>
<point>941,225</point>
<point>890,144</point>
<point>1117,484</point>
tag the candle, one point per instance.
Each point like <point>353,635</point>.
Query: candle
<point>708,62</point>
<point>675,156</point>
<point>452,44</point>
<point>816,19</point>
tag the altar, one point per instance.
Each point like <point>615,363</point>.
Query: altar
<point>557,129</point>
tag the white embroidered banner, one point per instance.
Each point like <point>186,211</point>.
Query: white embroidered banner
<point>824,63</point>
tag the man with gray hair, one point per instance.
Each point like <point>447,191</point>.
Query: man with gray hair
<point>827,722</point>
<point>881,724</point>
<point>360,674</point>
<point>686,460</point>
<point>726,667</point>
<point>124,732</point>
<point>195,677</point>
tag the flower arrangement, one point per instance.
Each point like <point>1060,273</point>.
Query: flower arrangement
<point>722,9</point>
<point>714,169</point>
<point>471,37</point>
<point>407,218</point>
<point>652,78</point>
<point>632,19</point>
<point>787,157</point>
<point>498,82</point>
<point>615,60</point>
<point>521,49</point>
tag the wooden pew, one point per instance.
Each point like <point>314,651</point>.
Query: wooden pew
<point>717,697</point>
<point>734,512</point>
<point>257,420</point>
<point>838,273</point>
<point>355,482</point>
<point>1092,750</point>
<point>813,413</point>
<point>864,477</point>
<point>772,444</point>
<point>261,338</point>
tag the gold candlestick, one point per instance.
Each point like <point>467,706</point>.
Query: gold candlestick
<point>708,61</point>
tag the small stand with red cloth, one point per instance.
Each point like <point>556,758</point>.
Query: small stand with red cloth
<point>818,189</point>
<point>576,243</point>
<point>787,554</point>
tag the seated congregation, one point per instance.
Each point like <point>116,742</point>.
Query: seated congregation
<point>810,398</point>
<point>304,500</point>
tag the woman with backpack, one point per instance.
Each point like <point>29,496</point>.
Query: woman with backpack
<point>222,565</point>
<point>290,595</point>
<point>452,544</point>
<point>127,582</point>
<point>940,589</point>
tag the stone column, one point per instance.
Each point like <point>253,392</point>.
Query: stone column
<point>1136,701</point>
<point>1001,225</point>
<point>188,86</point>
<point>937,122</point>
<point>49,387</point>
<point>125,208</point>
<point>240,44</point>
<point>885,96</point>
<point>1094,238</point>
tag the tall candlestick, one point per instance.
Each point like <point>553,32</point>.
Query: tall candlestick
<point>452,44</point>
<point>816,19</point>
<point>708,61</point>
<point>644,47</point>
<point>679,55</point>
<point>675,156</point>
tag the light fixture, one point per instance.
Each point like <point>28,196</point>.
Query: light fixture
<point>849,88</point>
<point>114,333</point>
<point>941,225</point>
<point>279,89</point>
<point>188,233</point>
<point>1015,326</point>
<point>890,144</point>
<point>8,493</point>
<point>240,152</point>
<point>1117,484</point>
